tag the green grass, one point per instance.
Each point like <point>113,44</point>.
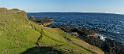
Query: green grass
<point>66,43</point>
<point>18,35</point>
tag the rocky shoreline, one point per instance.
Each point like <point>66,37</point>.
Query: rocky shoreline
<point>90,36</point>
<point>108,45</point>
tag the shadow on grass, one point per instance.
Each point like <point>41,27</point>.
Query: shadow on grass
<point>41,50</point>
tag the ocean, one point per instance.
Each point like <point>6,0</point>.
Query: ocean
<point>106,24</point>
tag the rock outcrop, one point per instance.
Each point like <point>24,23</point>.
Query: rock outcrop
<point>42,21</point>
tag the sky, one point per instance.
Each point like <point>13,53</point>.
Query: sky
<point>106,6</point>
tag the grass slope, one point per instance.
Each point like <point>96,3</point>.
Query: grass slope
<point>66,43</point>
<point>18,35</point>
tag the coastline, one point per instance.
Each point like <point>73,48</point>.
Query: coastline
<point>109,46</point>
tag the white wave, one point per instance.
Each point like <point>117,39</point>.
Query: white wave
<point>102,37</point>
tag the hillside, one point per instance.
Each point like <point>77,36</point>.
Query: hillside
<point>18,35</point>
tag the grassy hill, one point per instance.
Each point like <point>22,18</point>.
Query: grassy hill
<point>18,35</point>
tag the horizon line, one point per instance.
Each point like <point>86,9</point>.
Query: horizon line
<point>78,12</point>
